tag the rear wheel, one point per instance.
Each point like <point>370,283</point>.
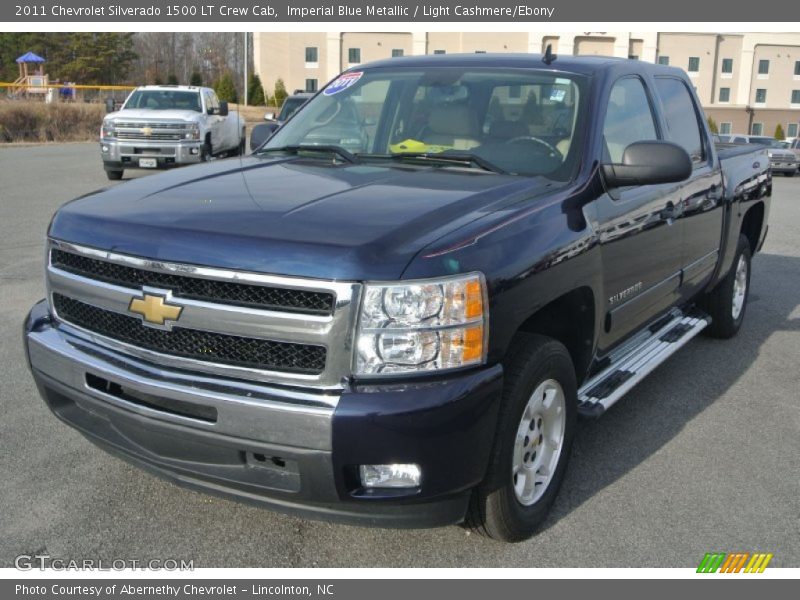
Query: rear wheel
<point>533,442</point>
<point>114,175</point>
<point>728,301</point>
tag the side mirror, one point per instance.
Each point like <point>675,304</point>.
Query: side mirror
<point>261,133</point>
<point>223,109</point>
<point>649,163</point>
<point>270,116</point>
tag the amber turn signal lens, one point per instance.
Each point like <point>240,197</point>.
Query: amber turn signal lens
<point>474,299</point>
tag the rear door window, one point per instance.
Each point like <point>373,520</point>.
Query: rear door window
<point>629,118</point>
<point>680,113</point>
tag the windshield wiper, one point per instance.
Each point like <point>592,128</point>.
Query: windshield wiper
<point>329,148</point>
<point>464,158</point>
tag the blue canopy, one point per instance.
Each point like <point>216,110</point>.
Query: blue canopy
<point>30,57</point>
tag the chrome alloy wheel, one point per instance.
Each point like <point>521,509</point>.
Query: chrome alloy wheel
<point>540,437</point>
<point>739,288</point>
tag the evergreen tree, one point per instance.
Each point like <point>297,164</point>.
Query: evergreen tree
<point>280,93</point>
<point>779,134</point>
<point>225,88</point>
<point>712,125</point>
<point>196,79</point>
<point>255,91</point>
<point>172,79</point>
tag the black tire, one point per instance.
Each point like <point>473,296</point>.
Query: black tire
<point>719,303</point>
<point>495,510</point>
<point>114,175</point>
<point>205,152</point>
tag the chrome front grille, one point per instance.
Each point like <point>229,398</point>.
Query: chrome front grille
<point>232,323</point>
<point>153,131</point>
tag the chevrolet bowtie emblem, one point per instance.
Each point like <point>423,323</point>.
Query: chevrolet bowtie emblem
<point>153,309</point>
<point>147,131</point>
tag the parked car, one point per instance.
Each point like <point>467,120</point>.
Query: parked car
<point>290,106</point>
<point>781,157</point>
<point>399,326</point>
<point>794,146</point>
<point>162,126</point>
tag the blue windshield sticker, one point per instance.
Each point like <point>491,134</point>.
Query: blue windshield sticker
<point>344,82</point>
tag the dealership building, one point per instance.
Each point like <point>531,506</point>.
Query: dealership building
<point>745,81</point>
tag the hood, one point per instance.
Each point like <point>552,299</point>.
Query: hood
<point>146,114</point>
<point>290,216</point>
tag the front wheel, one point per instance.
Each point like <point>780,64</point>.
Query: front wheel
<point>536,426</point>
<point>114,174</point>
<point>727,302</point>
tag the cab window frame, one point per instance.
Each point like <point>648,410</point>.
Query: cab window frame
<point>705,140</point>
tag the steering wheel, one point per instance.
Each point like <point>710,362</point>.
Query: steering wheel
<point>552,150</point>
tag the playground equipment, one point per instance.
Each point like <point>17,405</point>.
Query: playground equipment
<point>35,82</point>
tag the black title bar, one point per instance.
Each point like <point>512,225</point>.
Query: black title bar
<point>314,11</point>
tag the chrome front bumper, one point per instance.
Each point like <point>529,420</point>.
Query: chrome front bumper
<point>128,152</point>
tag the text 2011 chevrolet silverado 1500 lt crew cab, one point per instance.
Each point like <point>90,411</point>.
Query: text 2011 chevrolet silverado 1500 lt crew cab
<point>394,310</point>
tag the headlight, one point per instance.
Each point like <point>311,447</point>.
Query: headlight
<point>421,326</point>
<point>192,132</point>
<point>107,130</point>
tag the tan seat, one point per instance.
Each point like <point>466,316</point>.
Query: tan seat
<point>455,126</point>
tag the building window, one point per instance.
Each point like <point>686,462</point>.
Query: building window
<point>795,96</point>
<point>663,60</point>
<point>397,52</point>
<point>725,128</point>
<point>439,52</point>
<point>763,67</point>
<point>797,67</point>
<point>791,130</point>
<point>354,55</point>
<point>725,94</point>
<point>761,95</point>
<point>757,129</point>
<point>311,85</point>
<point>694,64</point>
<point>312,54</point>
<point>727,65</point>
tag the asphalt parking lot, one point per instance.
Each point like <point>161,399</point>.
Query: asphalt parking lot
<point>702,456</point>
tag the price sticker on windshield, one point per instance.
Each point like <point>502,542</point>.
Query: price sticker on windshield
<point>345,81</point>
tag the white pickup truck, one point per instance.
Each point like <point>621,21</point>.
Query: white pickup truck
<point>162,126</point>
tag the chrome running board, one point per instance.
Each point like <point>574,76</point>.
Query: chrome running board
<point>637,358</point>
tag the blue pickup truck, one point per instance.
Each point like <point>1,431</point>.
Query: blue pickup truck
<point>394,310</point>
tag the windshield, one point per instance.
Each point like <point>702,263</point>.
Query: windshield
<point>519,121</point>
<point>164,100</point>
<point>290,105</point>
<point>768,141</point>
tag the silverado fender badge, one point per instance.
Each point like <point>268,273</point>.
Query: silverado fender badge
<point>626,293</point>
<point>155,309</point>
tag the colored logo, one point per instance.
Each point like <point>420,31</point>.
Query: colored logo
<point>153,309</point>
<point>342,83</point>
<point>737,562</point>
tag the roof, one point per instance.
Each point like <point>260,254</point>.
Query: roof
<point>30,57</point>
<point>586,65</point>
<point>179,88</point>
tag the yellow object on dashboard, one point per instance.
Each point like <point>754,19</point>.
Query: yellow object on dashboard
<point>417,146</point>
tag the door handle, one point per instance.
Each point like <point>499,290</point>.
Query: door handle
<point>670,211</point>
